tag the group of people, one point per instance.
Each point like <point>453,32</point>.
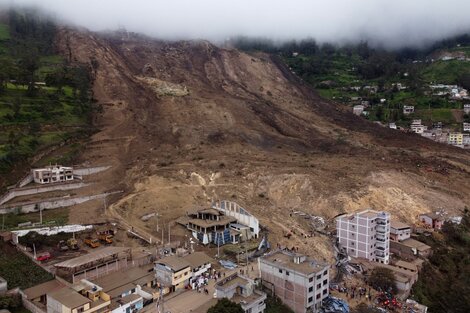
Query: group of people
<point>355,292</point>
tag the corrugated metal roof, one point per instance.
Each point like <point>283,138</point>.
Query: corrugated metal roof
<point>91,257</point>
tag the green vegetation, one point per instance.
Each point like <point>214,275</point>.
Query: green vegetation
<point>44,100</point>
<point>444,282</point>
<point>342,73</point>
<point>275,305</point>
<point>19,270</point>
<point>383,279</point>
<point>59,216</point>
<point>226,306</point>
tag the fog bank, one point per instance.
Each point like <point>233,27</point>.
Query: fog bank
<point>393,24</point>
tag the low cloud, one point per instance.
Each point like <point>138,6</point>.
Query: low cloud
<point>388,23</point>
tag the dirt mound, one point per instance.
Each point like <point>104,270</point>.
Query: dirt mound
<point>248,130</point>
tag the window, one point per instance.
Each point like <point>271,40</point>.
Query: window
<point>325,272</point>
<point>310,289</point>
<point>319,286</point>
<point>319,276</point>
<point>80,309</point>
<point>325,291</point>
<point>318,296</point>
<point>310,279</point>
<point>280,271</point>
<point>287,273</point>
<point>325,282</point>
<point>310,299</point>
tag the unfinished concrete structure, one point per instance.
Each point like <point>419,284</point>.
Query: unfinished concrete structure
<point>399,231</point>
<point>300,282</point>
<point>365,235</point>
<point>241,290</point>
<point>52,174</point>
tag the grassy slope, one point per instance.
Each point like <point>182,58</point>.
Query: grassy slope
<point>430,110</point>
<point>44,120</point>
<point>19,270</point>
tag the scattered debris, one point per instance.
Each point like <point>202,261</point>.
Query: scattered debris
<point>334,305</point>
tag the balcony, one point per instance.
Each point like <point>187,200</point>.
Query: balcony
<point>381,229</point>
<point>380,254</point>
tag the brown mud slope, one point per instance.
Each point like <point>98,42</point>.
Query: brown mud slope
<point>185,123</point>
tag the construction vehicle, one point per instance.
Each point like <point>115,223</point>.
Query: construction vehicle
<point>62,245</point>
<point>107,239</point>
<point>73,244</point>
<point>92,242</point>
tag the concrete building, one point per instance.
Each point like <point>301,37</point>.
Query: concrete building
<point>408,109</point>
<point>466,127</point>
<point>410,249</point>
<point>300,282</point>
<point>432,220</point>
<point>417,127</point>
<point>209,226</point>
<point>173,273</point>
<point>241,290</point>
<point>455,139</point>
<point>399,231</point>
<point>365,235</point>
<point>466,108</point>
<point>37,295</point>
<point>84,297</point>
<point>52,174</point>
<point>358,109</point>
<point>200,264</point>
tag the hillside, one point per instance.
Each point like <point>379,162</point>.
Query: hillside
<point>185,123</point>
<point>45,102</point>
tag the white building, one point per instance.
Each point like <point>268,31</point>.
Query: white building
<point>358,109</point>
<point>466,108</point>
<point>417,127</point>
<point>52,174</point>
<point>408,109</point>
<point>466,127</point>
<point>230,208</point>
<point>365,235</point>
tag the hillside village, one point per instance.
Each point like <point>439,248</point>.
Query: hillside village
<point>226,253</point>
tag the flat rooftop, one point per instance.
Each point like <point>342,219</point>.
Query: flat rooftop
<point>43,289</point>
<point>284,259</point>
<point>174,262</point>
<point>399,225</point>
<point>116,280</point>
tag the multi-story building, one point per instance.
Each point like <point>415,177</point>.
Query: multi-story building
<point>365,234</point>
<point>52,174</point>
<point>466,108</point>
<point>455,139</point>
<point>241,290</point>
<point>173,273</point>
<point>300,282</point>
<point>399,231</point>
<point>417,127</point>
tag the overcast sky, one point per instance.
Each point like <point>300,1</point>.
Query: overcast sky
<point>393,23</point>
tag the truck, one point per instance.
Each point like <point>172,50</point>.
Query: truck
<point>43,256</point>
<point>72,244</point>
<point>62,245</point>
<point>92,242</point>
<point>107,239</point>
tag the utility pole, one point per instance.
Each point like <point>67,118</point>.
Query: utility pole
<point>169,233</point>
<point>104,203</point>
<point>40,215</point>
<point>3,221</point>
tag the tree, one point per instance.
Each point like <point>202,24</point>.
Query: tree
<point>383,279</point>
<point>226,306</point>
